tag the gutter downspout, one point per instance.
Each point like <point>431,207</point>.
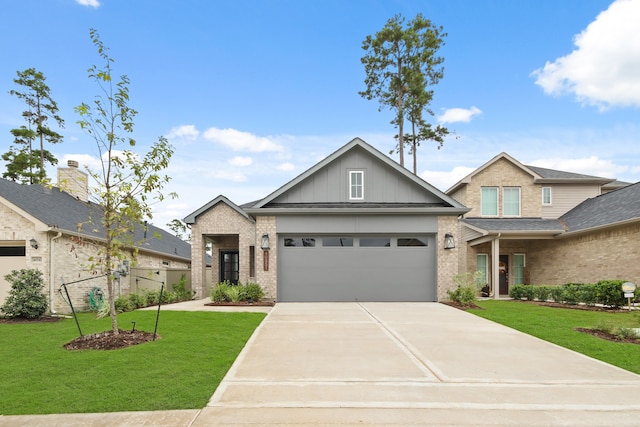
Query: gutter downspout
<point>51,272</point>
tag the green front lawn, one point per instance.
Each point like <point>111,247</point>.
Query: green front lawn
<point>181,370</point>
<point>557,325</point>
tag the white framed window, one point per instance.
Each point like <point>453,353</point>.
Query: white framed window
<point>511,201</point>
<point>489,201</point>
<point>546,196</point>
<point>519,264</point>
<point>356,185</point>
<point>482,265</point>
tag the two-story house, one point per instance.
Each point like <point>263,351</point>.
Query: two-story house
<point>535,225</point>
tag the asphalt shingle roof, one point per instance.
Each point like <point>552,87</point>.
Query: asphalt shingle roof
<point>613,207</point>
<point>556,174</point>
<point>60,210</point>
<point>516,224</point>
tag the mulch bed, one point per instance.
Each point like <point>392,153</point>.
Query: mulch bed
<point>243,304</point>
<point>607,336</point>
<point>107,340</point>
<point>459,306</point>
<point>576,306</point>
<point>42,319</point>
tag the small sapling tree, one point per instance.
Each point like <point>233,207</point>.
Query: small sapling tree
<point>127,183</point>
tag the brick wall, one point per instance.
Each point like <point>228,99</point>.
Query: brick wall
<point>448,259</point>
<point>606,254</point>
<point>228,229</point>
<point>267,279</point>
<point>501,174</point>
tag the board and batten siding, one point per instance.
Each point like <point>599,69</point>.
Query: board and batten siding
<point>330,184</point>
<point>566,197</point>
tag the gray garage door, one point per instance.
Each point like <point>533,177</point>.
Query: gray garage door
<point>356,268</point>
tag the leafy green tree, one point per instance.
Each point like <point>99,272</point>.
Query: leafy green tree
<point>24,163</point>
<point>400,64</point>
<point>180,229</point>
<point>127,183</point>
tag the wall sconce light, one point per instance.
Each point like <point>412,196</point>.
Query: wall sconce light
<point>265,242</point>
<point>449,241</point>
<point>34,243</point>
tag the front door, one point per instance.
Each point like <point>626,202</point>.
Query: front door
<point>503,270</point>
<point>229,266</point>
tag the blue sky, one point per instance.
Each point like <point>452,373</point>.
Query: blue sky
<point>252,93</point>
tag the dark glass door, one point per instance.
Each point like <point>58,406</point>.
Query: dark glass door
<point>229,266</point>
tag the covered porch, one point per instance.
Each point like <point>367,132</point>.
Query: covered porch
<point>505,251</point>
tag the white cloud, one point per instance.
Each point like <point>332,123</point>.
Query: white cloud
<point>443,180</point>
<point>241,141</point>
<point>586,165</point>
<point>91,3</point>
<point>241,161</point>
<point>84,161</point>
<point>186,133</point>
<point>603,69</point>
<point>456,115</point>
<point>286,167</point>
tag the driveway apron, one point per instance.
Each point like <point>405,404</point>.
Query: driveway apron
<point>412,364</point>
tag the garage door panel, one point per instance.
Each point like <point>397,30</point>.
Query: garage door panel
<point>356,273</point>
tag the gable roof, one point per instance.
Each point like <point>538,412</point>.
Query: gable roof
<point>539,175</point>
<point>613,208</point>
<point>191,218</point>
<point>57,210</point>
<point>446,204</point>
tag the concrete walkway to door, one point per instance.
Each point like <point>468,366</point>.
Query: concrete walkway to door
<point>412,364</point>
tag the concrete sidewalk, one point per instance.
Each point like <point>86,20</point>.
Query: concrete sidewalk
<point>396,364</point>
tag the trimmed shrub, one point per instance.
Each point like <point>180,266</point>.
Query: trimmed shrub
<point>609,292</point>
<point>556,293</point>
<point>588,294</point>
<point>517,291</point>
<point>541,293</point>
<point>122,303</point>
<point>463,295</point>
<point>571,293</point>
<point>25,298</point>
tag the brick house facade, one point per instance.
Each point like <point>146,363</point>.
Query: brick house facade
<point>533,225</point>
<point>356,226</point>
<point>59,233</point>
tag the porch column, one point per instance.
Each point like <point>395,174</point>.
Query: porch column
<point>495,267</point>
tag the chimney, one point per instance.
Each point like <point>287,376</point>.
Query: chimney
<point>74,181</point>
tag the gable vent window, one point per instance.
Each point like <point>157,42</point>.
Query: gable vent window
<point>356,185</point>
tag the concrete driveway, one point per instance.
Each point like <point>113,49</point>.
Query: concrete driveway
<point>410,364</point>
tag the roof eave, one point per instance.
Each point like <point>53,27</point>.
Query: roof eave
<point>600,227</point>
<point>370,211</point>
<point>602,181</point>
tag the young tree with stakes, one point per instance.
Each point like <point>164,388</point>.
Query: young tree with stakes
<point>400,63</point>
<point>126,183</point>
<point>22,159</point>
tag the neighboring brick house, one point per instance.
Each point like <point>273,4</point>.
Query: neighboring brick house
<point>57,232</point>
<point>541,226</point>
<point>354,227</point>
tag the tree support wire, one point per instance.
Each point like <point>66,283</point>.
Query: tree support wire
<point>68,298</point>
<point>155,329</point>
